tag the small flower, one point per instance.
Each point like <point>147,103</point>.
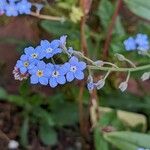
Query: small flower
<point>62,41</point>
<point>75,69</point>
<point>145,76</point>
<point>50,49</point>
<point>13,144</point>
<point>24,64</point>
<point>11,9</point>
<point>34,54</point>
<point>24,7</point>
<point>38,7</point>
<point>57,74</point>
<point>18,75</point>
<point>100,84</point>
<point>142,41</point>
<point>123,86</point>
<point>39,74</point>
<point>90,86</point>
<point>2,6</point>
<point>130,44</point>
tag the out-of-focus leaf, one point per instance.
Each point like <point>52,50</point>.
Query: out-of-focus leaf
<point>128,140</point>
<point>99,142</point>
<point>48,135</point>
<point>64,113</point>
<point>139,7</point>
<point>24,88</point>
<point>105,12</point>
<point>3,93</point>
<point>24,131</point>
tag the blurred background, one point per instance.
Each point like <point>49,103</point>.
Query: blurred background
<point>42,118</point>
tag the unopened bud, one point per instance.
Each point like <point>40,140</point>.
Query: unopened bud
<point>100,84</point>
<point>13,144</point>
<point>120,57</point>
<point>145,76</point>
<point>123,86</point>
<point>99,63</point>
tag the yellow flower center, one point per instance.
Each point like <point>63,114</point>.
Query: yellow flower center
<point>39,73</point>
<point>26,63</point>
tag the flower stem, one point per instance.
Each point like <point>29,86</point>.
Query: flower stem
<point>120,69</point>
<point>47,17</point>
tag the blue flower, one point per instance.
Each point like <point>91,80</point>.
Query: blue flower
<point>50,49</point>
<point>90,86</point>
<point>24,7</point>
<point>57,74</point>
<point>34,54</point>
<point>75,69</point>
<point>2,5</point>
<point>11,9</point>
<point>39,74</point>
<point>130,44</point>
<point>24,64</point>
<point>142,41</point>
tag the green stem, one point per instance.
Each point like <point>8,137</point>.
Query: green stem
<point>120,69</point>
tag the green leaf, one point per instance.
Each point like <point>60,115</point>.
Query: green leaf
<point>139,7</point>
<point>99,142</point>
<point>3,93</point>
<point>24,132</point>
<point>48,135</point>
<point>105,13</point>
<point>66,115</point>
<point>24,88</point>
<point>125,139</point>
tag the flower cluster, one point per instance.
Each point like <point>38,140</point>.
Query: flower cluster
<point>15,7</point>
<point>140,42</point>
<point>31,64</point>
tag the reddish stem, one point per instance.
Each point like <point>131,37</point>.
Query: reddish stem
<point>110,29</point>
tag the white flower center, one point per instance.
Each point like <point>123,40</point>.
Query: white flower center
<point>49,50</point>
<point>39,73</point>
<point>34,55</point>
<point>55,74</point>
<point>73,68</point>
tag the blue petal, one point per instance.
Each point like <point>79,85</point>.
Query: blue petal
<point>23,70</point>
<point>81,65</point>
<point>54,44</point>
<point>19,64</point>
<point>34,79</point>
<point>61,79</point>
<point>52,82</point>
<point>57,50</point>
<point>79,75</point>
<point>24,57</point>
<point>33,70</point>
<point>41,65</point>
<point>73,60</point>
<point>44,43</point>
<point>29,50</point>
<point>43,80</point>
<point>70,76</point>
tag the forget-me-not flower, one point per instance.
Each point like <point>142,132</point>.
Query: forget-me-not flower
<point>57,74</point>
<point>11,9</point>
<point>130,44</point>
<point>24,7</point>
<point>39,74</point>
<point>142,41</point>
<point>24,64</point>
<point>75,69</point>
<point>34,54</point>
<point>50,48</point>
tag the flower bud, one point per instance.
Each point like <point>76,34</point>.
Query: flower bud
<point>145,76</point>
<point>13,144</point>
<point>123,86</point>
<point>120,57</point>
<point>99,63</point>
<point>90,86</point>
<point>100,84</point>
